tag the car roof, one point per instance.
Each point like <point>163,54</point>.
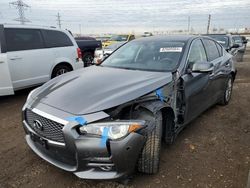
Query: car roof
<point>175,38</point>
<point>218,34</point>
<point>30,27</point>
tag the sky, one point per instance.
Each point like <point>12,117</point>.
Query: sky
<point>123,16</point>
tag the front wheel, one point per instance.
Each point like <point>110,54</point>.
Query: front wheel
<point>228,91</point>
<point>150,156</point>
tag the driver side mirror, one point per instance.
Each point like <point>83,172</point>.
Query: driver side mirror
<point>203,67</point>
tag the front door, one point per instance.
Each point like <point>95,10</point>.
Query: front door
<point>5,79</point>
<point>196,85</point>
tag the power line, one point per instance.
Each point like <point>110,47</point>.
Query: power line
<point>59,20</point>
<point>20,6</point>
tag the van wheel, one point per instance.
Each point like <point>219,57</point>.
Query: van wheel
<point>149,158</point>
<point>60,69</point>
<point>228,91</point>
<point>88,59</point>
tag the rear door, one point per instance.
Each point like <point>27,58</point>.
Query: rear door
<point>217,77</point>
<point>29,60</point>
<point>6,87</point>
<point>61,46</point>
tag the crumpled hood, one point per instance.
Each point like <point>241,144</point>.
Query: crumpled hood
<point>95,88</point>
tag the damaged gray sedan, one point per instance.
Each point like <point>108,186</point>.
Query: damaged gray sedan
<point>105,121</point>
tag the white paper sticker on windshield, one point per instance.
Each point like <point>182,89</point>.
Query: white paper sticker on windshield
<point>221,42</point>
<point>171,49</point>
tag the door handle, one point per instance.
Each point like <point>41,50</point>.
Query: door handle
<point>15,58</point>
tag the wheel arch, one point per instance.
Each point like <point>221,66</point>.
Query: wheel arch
<point>233,73</point>
<point>60,64</point>
<point>167,113</point>
<point>168,126</point>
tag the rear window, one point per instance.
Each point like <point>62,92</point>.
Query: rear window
<point>237,39</point>
<point>222,39</point>
<point>23,39</point>
<point>56,39</point>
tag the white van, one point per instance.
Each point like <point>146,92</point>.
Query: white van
<point>30,56</point>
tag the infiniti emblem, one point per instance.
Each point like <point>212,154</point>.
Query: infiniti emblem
<point>38,125</point>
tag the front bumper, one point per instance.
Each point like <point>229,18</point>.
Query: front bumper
<point>85,156</point>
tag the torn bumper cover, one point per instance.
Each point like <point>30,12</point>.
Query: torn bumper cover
<point>85,155</point>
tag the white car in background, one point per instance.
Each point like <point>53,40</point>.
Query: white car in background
<point>31,56</point>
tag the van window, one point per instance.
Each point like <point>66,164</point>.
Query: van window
<point>56,39</point>
<point>211,49</point>
<point>23,39</point>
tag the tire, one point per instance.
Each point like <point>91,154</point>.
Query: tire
<point>60,69</point>
<point>228,92</point>
<point>149,158</point>
<point>88,59</point>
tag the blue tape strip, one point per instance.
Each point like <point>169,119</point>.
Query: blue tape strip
<point>160,95</point>
<point>78,119</point>
<point>104,136</point>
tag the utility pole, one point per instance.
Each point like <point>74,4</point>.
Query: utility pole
<point>59,20</point>
<point>188,24</point>
<point>208,23</point>
<point>20,6</point>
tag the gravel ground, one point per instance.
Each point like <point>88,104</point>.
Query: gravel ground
<point>213,151</point>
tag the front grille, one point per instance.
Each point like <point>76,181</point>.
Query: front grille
<point>50,129</point>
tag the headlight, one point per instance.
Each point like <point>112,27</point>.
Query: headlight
<point>112,130</point>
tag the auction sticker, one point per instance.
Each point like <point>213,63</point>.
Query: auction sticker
<point>171,49</point>
<point>221,42</point>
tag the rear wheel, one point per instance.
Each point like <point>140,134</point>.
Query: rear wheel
<point>60,69</point>
<point>150,156</point>
<point>228,91</point>
<point>88,59</point>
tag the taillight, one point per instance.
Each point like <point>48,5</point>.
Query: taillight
<point>79,53</point>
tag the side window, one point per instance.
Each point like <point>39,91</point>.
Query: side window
<point>23,39</point>
<point>211,49</point>
<point>197,53</point>
<point>219,47</point>
<point>56,39</point>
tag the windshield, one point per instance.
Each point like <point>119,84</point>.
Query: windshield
<point>237,39</point>
<point>223,40</point>
<point>119,38</point>
<point>145,55</point>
